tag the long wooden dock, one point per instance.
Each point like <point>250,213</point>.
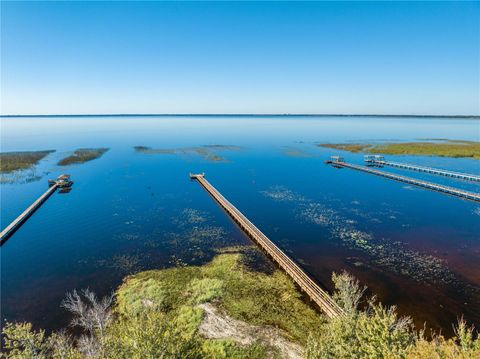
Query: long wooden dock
<point>316,294</point>
<point>435,171</point>
<point>12,227</point>
<point>62,181</point>
<point>472,196</point>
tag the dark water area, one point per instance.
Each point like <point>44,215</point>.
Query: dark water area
<point>130,211</point>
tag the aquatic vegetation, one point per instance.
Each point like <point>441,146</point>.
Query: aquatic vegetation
<point>83,155</point>
<point>192,216</point>
<point>15,161</point>
<point>124,263</point>
<point>18,177</point>
<point>283,194</point>
<point>148,150</point>
<point>224,147</point>
<point>207,152</point>
<point>442,148</point>
<point>197,240</point>
<point>127,236</point>
<point>295,152</point>
<point>386,254</point>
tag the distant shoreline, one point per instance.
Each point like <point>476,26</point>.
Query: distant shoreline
<point>476,117</point>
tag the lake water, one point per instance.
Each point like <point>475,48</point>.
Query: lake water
<point>131,211</point>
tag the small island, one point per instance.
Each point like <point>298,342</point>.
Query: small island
<point>437,147</point>
<point>15,161</point>
<point>83,155</point>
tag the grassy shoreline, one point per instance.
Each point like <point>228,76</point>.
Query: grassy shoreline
<point>224,309</point>
<point>443,148</point>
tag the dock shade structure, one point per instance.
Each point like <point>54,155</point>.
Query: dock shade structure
<point>373,158</point>
<point>319,296</point>
<point>62,181</point>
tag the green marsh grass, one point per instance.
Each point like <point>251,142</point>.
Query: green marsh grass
<point>14,161</point>
<point>83,155</point>
<point>443,148</point>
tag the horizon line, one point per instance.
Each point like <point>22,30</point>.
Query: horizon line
<point>235,114</point>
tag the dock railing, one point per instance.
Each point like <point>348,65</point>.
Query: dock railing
<point>417,168</point>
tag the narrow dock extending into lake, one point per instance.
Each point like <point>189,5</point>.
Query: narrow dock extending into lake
<point>472,196</point>
<point>312,289</point>
<point>62,181</point>
<point>435,171</point>
<point>12,227</point>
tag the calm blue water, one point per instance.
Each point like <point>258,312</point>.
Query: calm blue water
<point>130,211</point>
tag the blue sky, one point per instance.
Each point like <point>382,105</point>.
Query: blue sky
<point>246,57</point>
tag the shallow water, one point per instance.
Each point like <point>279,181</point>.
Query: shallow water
<point>131,211</point>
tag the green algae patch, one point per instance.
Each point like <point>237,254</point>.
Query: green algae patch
<point>253,297</point>
<point>441,148</point>
<point>15,161</point>
<point>83,155</point>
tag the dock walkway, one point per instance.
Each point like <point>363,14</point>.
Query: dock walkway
<point>12,227</point>
<point>472,196</point>
<point>316,294</point>
<point>63,181</point>
<point>435,171</point>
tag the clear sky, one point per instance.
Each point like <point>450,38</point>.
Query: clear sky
<point>246,57</point>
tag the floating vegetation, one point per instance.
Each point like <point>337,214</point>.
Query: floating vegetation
<point>127,236</point>
<point>389,255</point>
<point>207,152</point>
<point>18,177</point>
<point>15,161</point>
<point>283,194</point>
<point>193,216</point>
<point>124,263</point>
<point>204,235</point>
<point>83,155</point>
<point>442,148</point>
<point>295,152</point>
<point>224,147</point>
<point>197,237</point>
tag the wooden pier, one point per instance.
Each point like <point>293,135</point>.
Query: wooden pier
<point>435,171</point>
<point>472,196</point>
<point>12,227</point>
<point>316,294</point>
<point>63,181</point>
